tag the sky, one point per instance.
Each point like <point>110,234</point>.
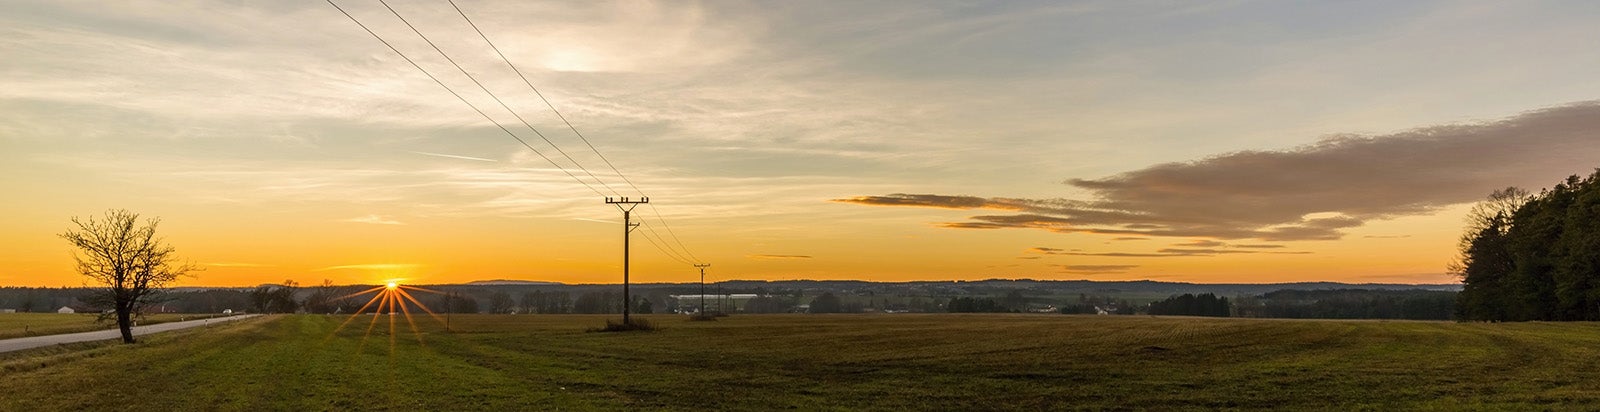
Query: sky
<point>1210,142</point>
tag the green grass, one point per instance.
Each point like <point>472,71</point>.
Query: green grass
<point>822,362</point>
<point>17,325</point>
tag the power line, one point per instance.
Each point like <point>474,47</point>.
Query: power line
<point>667,251</point>
<point>463,99</point>
<point>497,98</point>
<point>541,97</point>
<point>674,235</point>
<point>664,252</point>
<point>574,129</point>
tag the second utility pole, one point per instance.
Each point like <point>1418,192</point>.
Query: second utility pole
<point>627,228</point>
<point>702,267</point>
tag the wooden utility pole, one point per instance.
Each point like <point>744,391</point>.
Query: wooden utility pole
<point>702,267</point>
<point>626,206</point>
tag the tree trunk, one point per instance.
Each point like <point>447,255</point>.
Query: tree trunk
<point>125,323</point>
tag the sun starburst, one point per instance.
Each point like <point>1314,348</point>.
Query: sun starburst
<point>391,299</point>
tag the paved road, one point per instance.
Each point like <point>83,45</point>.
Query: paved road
<point>16,344</point>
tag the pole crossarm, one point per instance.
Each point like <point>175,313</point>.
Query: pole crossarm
<point>626,204</point>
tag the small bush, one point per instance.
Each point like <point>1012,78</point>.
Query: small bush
<point>635,325</point>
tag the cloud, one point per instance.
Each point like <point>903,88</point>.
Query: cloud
<point>1096,269</point>
<point>1162,253</point>
<point>1202,252</point>
<point>939,201</point>
<point>372,267</point>
<point>373,219</point>
<point>236,265</point>
<point>450,156</point>
<point>1385,236</point>
<point>1313,192</point>
<point>1126,238</point>
<point>1123,254</point>
<point>779,257</point>
<point>1208,244</point>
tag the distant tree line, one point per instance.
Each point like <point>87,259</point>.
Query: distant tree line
<point>1533,256</point>
<point>41,299</point>
<point>1204,304</point>
<point>1349,304</point>
<point>275,298</point>
<point>1095,304</point>
<point>538,301</point>
<point>28,299</point>
<point>771,304</point>
<point>974,305</point>
<point>291,297</point>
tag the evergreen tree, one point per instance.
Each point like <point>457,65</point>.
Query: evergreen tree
<point>1533,257</point>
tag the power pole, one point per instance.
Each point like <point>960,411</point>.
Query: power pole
<point>702,267</point>
<point>626,206</point>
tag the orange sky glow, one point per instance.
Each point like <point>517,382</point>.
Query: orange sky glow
<point>1215,143</point>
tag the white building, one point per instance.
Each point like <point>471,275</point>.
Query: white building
<point>66,309</point>
<point>691,303</point>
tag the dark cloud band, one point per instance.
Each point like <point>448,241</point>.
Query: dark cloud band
<point>1313,192</point>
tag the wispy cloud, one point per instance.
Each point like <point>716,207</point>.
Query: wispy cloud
<point>236,265</point>
<point>1220,244</point>
<point>373,219</point>
<point>372,267</point>
<point>451,156</point>
<point>1096,269</point>
<point>1308,193</point>
<point>1160,253</point>
<point>779,257</point>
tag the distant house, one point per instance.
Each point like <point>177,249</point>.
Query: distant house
<point>66,309</point>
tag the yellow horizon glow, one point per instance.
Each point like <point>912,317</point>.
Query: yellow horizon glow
<point>326,159</point>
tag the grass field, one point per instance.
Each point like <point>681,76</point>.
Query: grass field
<point>17,325</point>
<point>821,362</point>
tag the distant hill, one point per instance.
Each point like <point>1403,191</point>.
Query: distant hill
<point>507,282</point>
<point>1076,286</point>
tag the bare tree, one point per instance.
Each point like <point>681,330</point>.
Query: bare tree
<point>1495,211</point>
<point>126,257</point>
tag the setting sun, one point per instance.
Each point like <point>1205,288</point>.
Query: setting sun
<point>391,285</point>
